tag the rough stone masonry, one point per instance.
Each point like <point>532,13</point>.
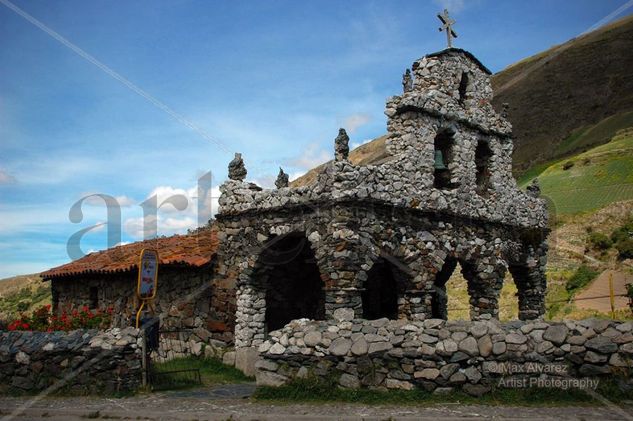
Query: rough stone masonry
<point>438,355</point>
<point>80,361</point>
<point>381,241</point>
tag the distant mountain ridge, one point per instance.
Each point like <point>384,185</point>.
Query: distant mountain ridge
<point>561,90</point>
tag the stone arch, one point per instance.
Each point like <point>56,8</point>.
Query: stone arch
<point>484,280</point>
<point>527,267</point>
<point>288,277</point>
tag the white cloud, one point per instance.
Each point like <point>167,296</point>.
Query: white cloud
<point>6,178</point>
<point>140,228</point>
<point>311,157</point>
<point>190,212</point>
<point>293,176</point>
<point>266,181</point>
<point>93,200</point>
<point>355,121</point>
<point>171,199</point>
<point>355,145</point>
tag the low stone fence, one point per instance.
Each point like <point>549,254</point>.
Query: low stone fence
<point>436,354</point>
<point>182,343</point>
<point>80,361</point>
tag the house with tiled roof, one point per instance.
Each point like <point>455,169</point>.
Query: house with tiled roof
<point>188,296</point>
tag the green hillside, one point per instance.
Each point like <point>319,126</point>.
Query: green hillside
<point>589,180</point>
<point>583,138</point>
<point>22,294</point>
<point>555,94</point>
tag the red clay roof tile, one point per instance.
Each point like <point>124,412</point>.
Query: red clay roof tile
<point>195,249</point>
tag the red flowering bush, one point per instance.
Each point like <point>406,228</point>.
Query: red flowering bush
<point>44,320</point>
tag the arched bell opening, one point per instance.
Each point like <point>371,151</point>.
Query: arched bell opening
<point>464,87</point>
<point>483,156</point>
<point>443,157</point>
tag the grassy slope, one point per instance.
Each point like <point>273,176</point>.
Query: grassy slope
<point>26,289</point>
<point>598,177</point>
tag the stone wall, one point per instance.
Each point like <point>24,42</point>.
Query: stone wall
<point>187,298</point>
<point>80,361</point>
<point>432,354</point>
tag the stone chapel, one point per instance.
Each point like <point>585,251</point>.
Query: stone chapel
<point>381,241</point>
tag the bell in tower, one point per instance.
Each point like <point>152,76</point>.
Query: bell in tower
<point>439,160</point>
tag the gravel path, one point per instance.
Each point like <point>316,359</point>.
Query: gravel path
<point>232,403</point>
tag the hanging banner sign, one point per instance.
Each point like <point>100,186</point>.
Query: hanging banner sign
<point>147,275</point>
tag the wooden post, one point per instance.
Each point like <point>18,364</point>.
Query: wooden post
<point>144,359</point>
<point>611,295</point>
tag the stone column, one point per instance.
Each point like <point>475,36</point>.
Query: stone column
<point>339,256</point>
<point>341,276</point>
<point>485,280</point>
<point>418,297</point>
<point>529,277</point>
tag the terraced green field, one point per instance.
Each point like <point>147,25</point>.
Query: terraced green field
<point>590,180</point>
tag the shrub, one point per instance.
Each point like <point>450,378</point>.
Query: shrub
<point>580,278</point>
<point>43,320</point>
<point>599,241</point>
<point>22,306</point>
<point>625,248</point>
<point>625,232</point>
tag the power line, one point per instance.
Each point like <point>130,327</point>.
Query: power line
<point>88,57</point>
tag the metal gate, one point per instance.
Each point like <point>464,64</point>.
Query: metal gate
<point>170,359</point>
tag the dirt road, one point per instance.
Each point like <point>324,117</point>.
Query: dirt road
<point>231,403</point>
<point>600,288</point>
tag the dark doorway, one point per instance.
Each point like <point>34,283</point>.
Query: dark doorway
<point>482,163</point>
<point>439,297</point>
<point>94,297</point>
<point>380,298</point>
<point>294,288</point>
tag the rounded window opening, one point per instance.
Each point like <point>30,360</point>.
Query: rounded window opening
<point>380,297</point>
<point>294,288</point>
<point>483,155</point>
<point>443,156</point>
<point>464,84</point>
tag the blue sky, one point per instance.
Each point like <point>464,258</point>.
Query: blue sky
<point>271,79</point>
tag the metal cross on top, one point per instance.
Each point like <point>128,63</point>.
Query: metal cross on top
<point>448,27</point>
